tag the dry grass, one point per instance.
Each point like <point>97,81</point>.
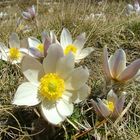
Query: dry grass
<point>118,31</point>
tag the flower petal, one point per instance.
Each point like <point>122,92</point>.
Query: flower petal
<point>53,37</point>
<point>33,42</point>
<point>3,57</point>
<point>106,64</point>
<point>80,41</point>
<point>130,71</point>
<point>84,53</point>
<point>121,102</point>
<point>26,15</point>
<point>55,52</point>
<point>96,108</point>
<point>24,43</point>
<point>77,78</point>
<point>3,48</point>
<point>65,38</point>
<point>111,62</point>
<point>26,94</point>
<point>24,50</point>
<point>80,94</point>
<point>65,65</point>
<point>119,106</point>
<point>14,41</point>
<point>103,109</point>
<point>136,6</point>
<point>67,96</point>
<point>51,114</point>
<point>64,108</point>
<point>35,53</point>
<point>32,69</point>
<point>44,35</point>
<point>119,63</point>
<point>4,52</point>
<point>32,11</point>
<point>112,97</point>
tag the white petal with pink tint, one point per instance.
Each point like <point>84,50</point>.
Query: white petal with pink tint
<point>130,71</point>
<point>118,63</point>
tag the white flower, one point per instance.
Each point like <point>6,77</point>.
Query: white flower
<point>30,13</point>
<point>3,14</point>
<point>55,84</point>
<point>115,67</point>
<point>137,7</point>
<point>39,49</point>
<point>76,47</point>
<point>13,54</point>
<point>129,9</point>
<point>112,107</point>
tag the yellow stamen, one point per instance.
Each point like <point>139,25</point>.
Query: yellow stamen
<point>40,47</point>
<point>51,87</point>
<point>70,48</point>
<point>110,105</point>
<point>14,53</point>
<point>20,27</point>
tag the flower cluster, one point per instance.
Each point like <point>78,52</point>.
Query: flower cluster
<point>55,84</point>
<point>112,107</point>
<point>117,74</point>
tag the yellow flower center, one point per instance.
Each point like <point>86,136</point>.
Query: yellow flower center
<point>70,48</point>
<point>14,53</point>
<point>110,105</point>
<point>51,87</point>
<point>20,27</point>
<point>40,47</point>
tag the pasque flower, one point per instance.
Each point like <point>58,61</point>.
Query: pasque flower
<point>55,85</point>
<point>14,53</point>
<point>112,107</point>
<point>115,67</point>
<point>137,7</point>
<point>30,13</point>
<point>37,48</point>
<point>133,8</point>
<point>76,47</point>
<point>129,9</point>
